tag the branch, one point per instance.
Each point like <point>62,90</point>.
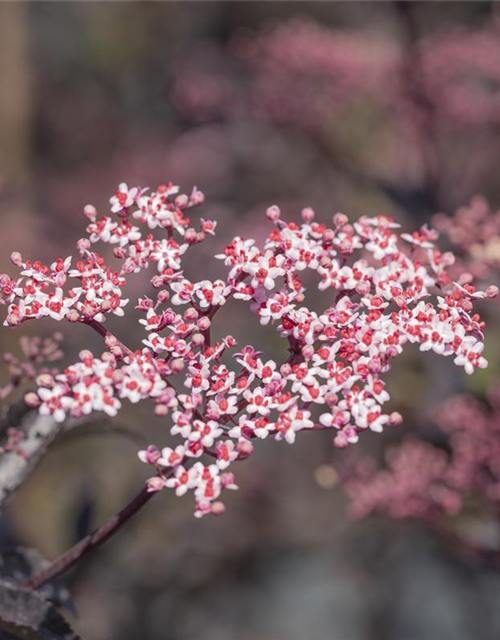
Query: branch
<point>106,334</point>
<point>14,468</point>
<point>90,542</point>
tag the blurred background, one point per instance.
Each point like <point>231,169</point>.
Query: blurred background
<point>364,108</point>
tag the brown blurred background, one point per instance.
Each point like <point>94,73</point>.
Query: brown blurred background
<point>88,99</point>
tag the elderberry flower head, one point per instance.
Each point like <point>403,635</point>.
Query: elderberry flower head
<point>381,290</point>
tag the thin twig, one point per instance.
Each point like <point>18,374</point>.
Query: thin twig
<point>92,541</point>
<point>106,333</point>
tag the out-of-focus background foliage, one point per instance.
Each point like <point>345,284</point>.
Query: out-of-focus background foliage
<point>95,93</point>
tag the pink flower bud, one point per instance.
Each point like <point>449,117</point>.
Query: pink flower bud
<point>32,400</point>
<point>392,352</point>
<point>110,340</point>
<point>328,235</point>
<point>317,327</point>
<point>244,450</point>
<point>492,291</point>
<point>198,339</point>
<point>190,315</point>
<point>307,214</point>
<point>181,201</point>
<point>90,211</point>
<point>85,354</point>
<point>363,288</point>
<point>151,455</point>
<point>109,358</point>
<point>218,508</point>
<point>73,315</point>
<point>155,484</point>
<point>45,380</point>
<point>197,197</point>
<point>395,418</point>
<point>204,323</point>
<point>177,365</point>
<point>190,235</point>
<point>308,351</point>
<point>340,440</point>
<point>374,365</point>
<point>163,296</point>
<point>120,253</point>
<point>117,352</point>
<point>467,305</point>
<point>169,316</point>
<point>161,410</point>
<point>118,377</point>
<point>447,259</point>
<point>16,258</point>
<point>286,369</point>
<point>83,245</point>
<point>340,220</point>
<point>273,213</point>
<point>331,398</point>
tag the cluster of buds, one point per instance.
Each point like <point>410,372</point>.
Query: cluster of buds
<point>382,290</point>
<point>423,481</point>
<point>37,356</point>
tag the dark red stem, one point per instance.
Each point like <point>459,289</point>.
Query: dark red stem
<point>90,542</point>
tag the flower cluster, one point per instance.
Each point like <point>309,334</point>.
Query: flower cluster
<point>474,232</point>
<point>422,481</point>
<point>37,356</point>
<point>298,72</point>
<point>382,289</point>
<point>302,73</point>
<point>411,102</point>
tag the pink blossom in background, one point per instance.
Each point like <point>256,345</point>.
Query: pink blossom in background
<point>302,73</point>
<point>474,232</point>
<point>422,481</point>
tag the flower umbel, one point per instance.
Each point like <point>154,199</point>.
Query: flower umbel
<point>383,291</point>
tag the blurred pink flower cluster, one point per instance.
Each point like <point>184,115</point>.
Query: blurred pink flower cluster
<point>296,73</point>
<point>474,232</point>
<point>422,481</point>
<point>461,75</point>
<point>383,289</point>
<point>302,73</point>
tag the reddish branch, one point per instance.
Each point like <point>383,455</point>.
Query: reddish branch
<point>90,542</point>
<point>109,338</point>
